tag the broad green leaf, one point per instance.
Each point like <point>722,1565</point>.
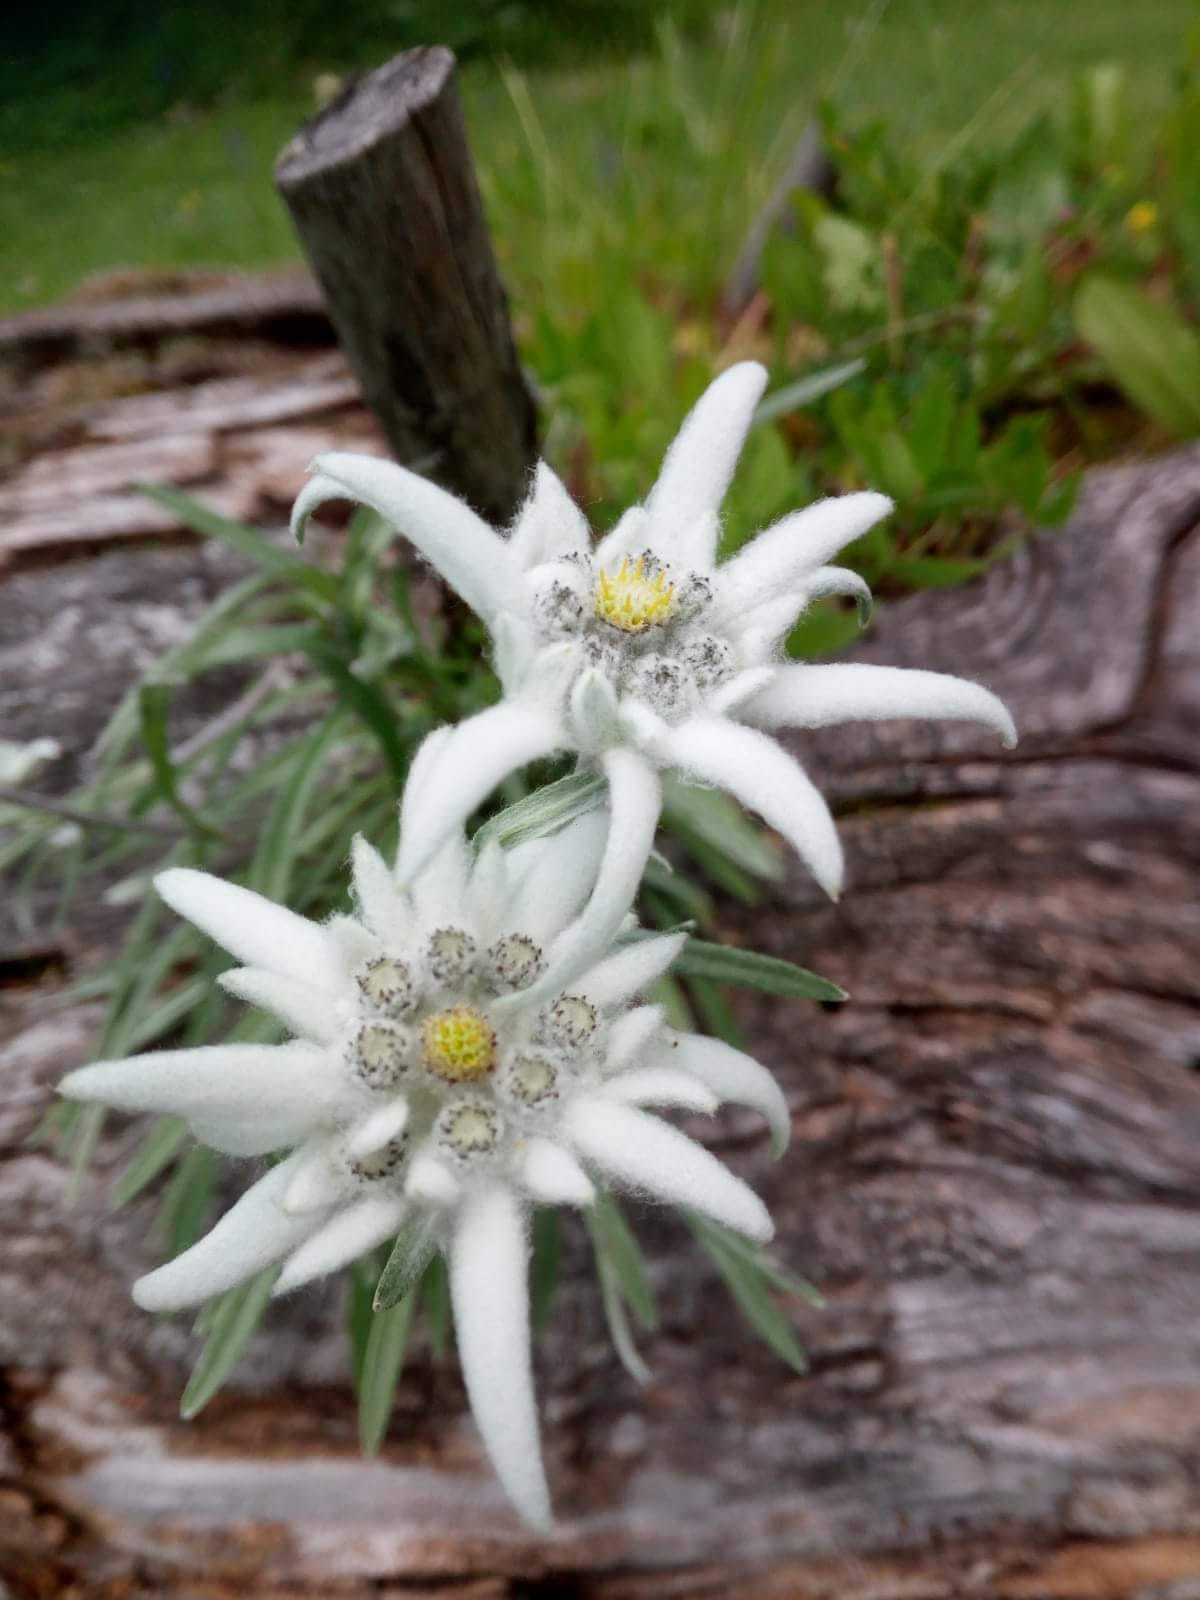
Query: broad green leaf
<point>233,1325</point>
<point>1151,352</point>
<point>382,1363</point>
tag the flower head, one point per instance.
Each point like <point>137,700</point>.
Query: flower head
<point>435,1088</point>
<point>644,652</point>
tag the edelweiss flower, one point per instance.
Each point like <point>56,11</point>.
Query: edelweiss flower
<point>427,1093</point>
<point>644,653</point>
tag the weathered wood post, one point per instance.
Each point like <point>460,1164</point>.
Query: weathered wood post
<point>382,191</point>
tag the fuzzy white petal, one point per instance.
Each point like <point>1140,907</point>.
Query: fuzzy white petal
<point>738,689</point>
<point>786,551</point>
<point>735,1077</point>
<point>317,1183</point>
<point>225,1080</point>
<point>351,943</point>
<point>698,467</point>
<point>760,631</point>
<point>380,1128</point>
<point>491,1327</point>
<point>594,712</point>
<point>309,1012</point>
<point>661,1086</point>
<point>425,758</point>
<point>471,557</point>
<point>346,1236</point>
<point>431,1181</point>
<point>552,1175</point>
<point>627,537</point>
<point>630,1035</point>
<point>635,801</point>
<point>549,525</point>
<point>477,756</point>
<point>647,1154</point>
<point>555,875</point>
<point>380,906</point>
<point>819,696</point>
<point>630,969</point>
<point>488,892</point>
<point>826,581</point>
<point>761,775</point>
<point>255,930</point>
<point>243,1135</point>
<point>250,1236</point>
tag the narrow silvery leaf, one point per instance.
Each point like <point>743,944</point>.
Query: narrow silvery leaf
<point>491,1322</point>
<point>382,1364</point>
<point>748,969</point>
<point>751,1288</point>
<point>614,1241</point>
<point>231,1328</point>
<point>546,810</point>
<point>411,1254</point>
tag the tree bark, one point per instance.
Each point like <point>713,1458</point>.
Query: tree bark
<point>382,191</point>
<point>995,1180</point>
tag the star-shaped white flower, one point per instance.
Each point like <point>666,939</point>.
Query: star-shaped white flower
<point>643,652</point>
<point>430,1091</point>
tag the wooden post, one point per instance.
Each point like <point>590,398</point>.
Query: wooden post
<point>382,192</point>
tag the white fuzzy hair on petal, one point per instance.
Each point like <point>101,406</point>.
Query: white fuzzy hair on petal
<point>346,1236</point>
<point>254,930</point>
<point>491,1327</point>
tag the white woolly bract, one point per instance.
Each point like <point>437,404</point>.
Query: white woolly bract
<point>491,1327</point>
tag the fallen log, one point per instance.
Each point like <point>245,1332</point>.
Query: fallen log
<point>995,1180</point>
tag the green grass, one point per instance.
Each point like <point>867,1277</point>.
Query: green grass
<point>651,165</point>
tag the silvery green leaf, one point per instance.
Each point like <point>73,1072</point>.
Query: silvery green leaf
<point>747,969</point>
<point>233,1324</point>
<point>750,1283</point>
<point>382,1363</point>
<point>410,1256</point>
<point>545,811</point>
<point>616,1246</point>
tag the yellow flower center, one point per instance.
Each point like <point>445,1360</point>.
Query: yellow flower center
<point>459,1044</point>
<point>632,599</point>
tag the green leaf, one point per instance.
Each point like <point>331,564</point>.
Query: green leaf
<point>366,700</point>
<point>1151,352</point>
<point>750,1285</point>
<point>614,1242</point>
<point>154,701</point>
<point>279,839</point>
<point>722,824</point>
<point>184,1208</point>
<point>246,541</point>
<point>715,1012</point>
<point>156,1151</point>
<point>231,1329</point>
<point>360,1315</point>
<point>435,1297</point>
<point>747,969</point>
<point>545,811</point>
<point>382,1363</point>
<point>803,391</point>
<point>543,1274</point>
<point>411,1255</point>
